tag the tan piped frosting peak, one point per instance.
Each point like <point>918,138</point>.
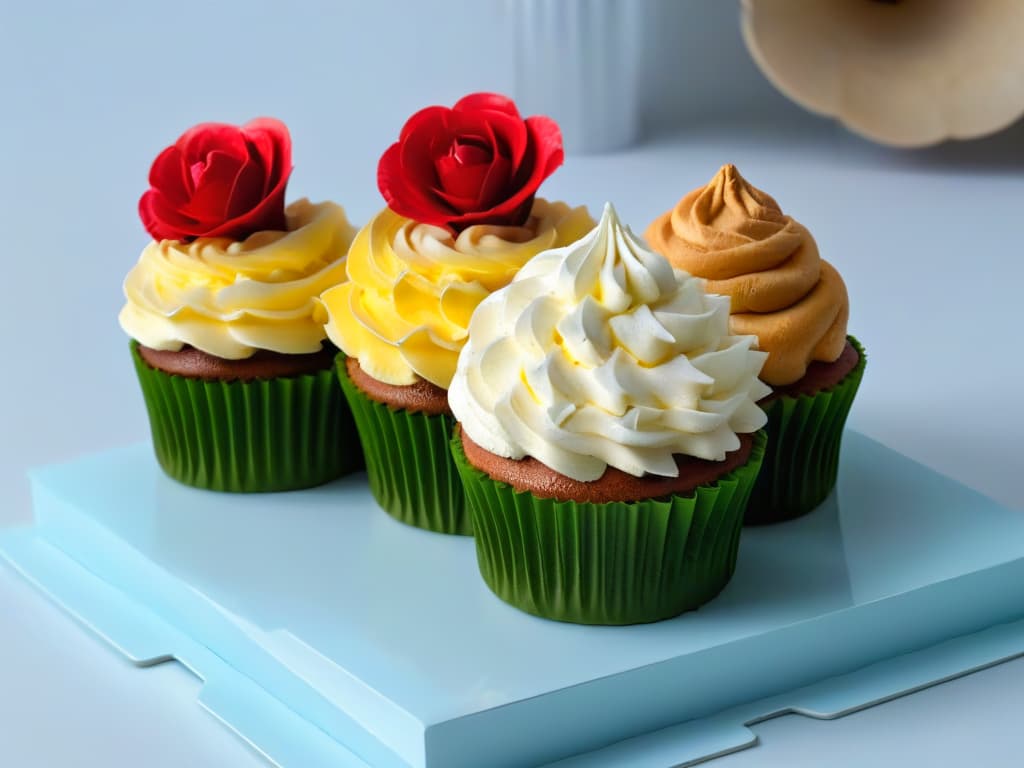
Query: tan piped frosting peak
<point>738,239</point>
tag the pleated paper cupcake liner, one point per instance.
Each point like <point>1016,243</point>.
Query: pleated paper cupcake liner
<point>277,434</point>
<point>802,457</point>
<point>611,563</point>
<point>408,462</point>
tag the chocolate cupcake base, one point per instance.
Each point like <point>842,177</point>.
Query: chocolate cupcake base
<point>245,434</point>
<point>405,442</point>
<point>618,562</point>
<point>263,364</point>
<point>805,431</point>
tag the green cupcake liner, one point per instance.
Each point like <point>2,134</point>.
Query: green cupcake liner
<point>263,435</point>
<point>612,563</point>
<point>802,458</point>
<point>408,462</point>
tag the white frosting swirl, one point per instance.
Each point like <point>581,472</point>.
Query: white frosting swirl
<point>601,354</point>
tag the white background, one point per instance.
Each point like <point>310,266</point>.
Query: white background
<point>928,241</point>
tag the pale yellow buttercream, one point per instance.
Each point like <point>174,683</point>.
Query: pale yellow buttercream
<point>230,298</point>
<point>404,314</point>
<point>737,238</point>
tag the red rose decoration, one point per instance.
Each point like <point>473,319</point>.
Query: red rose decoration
<point>219,180</point>
<point>476,163</point>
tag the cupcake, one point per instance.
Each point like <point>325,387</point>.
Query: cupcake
<point>237,378</point>
<point>607,434</point>
<point>461,219</point>
<point>737,238</point>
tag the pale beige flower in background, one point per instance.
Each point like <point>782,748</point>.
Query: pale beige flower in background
<point>900,72</point>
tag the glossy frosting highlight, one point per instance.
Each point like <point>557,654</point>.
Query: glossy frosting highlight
<point>600,354</point>
<point>738,239</point>
<point>405,312</point>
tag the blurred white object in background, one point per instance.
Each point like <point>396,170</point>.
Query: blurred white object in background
<point>901,72</point>
<point>578,61</point>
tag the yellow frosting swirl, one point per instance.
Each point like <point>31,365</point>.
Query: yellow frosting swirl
<point>737,238</point>
<point>230,298</point>
<point>413,287</point>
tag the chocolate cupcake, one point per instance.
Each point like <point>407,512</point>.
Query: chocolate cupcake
<point>236,372</point>
<point>608,434</point>
<point>462,218</point>
<point>738,239</point>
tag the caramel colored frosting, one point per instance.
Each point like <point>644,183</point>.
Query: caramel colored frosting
<point>737,238</point>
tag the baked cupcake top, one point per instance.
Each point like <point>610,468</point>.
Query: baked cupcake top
<point>462,219</point>
<point>599,354</point>
<point>738,239</point>
<point>231,270</point>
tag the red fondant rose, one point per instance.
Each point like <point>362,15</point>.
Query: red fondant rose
<point>476,163</point>
<point>219,180</point>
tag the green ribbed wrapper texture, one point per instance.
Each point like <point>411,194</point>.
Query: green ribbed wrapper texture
<point>802,457</point>
<point>277,434</point>
<point>408,462</point>
<point>611,563</point>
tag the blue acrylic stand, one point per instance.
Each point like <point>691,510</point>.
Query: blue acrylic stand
<point>328,634</point>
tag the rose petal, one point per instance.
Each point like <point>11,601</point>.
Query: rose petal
<point>471,189</point>
<point>429,141</point>
<point>507,132</point>
<point>406,173</point>
<point>422,143</point>
<point>219,180</point>
<point>546,141</point>
<point>247,190</point>
<point>210,200</point>
<point>200,140</point>
<point>162,220</point>
<point>269,141</point>
<point>429,120</point>
<point>456,206</point>
<point>469,150</point>
<point>496,182</point>
<point>268,215</point>
<point>493,102</point>
<point>461,180</point>
<point>151,220</point>
<point>418,164</point>
<point>169,174</point>
<point>544,156</point>
<point>408,199</point>
<point>504,214</point>
<point>465,191</point>
<point>450,164</point>
<point>512,139</point>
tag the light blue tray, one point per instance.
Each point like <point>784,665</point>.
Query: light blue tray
<point>330,635</point>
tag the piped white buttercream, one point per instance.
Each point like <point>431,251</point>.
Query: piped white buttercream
<point>601,354</point>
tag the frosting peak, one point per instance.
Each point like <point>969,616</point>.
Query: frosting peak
<point>601,354</point>
<point>731,209</point>
<point>738,238</point>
